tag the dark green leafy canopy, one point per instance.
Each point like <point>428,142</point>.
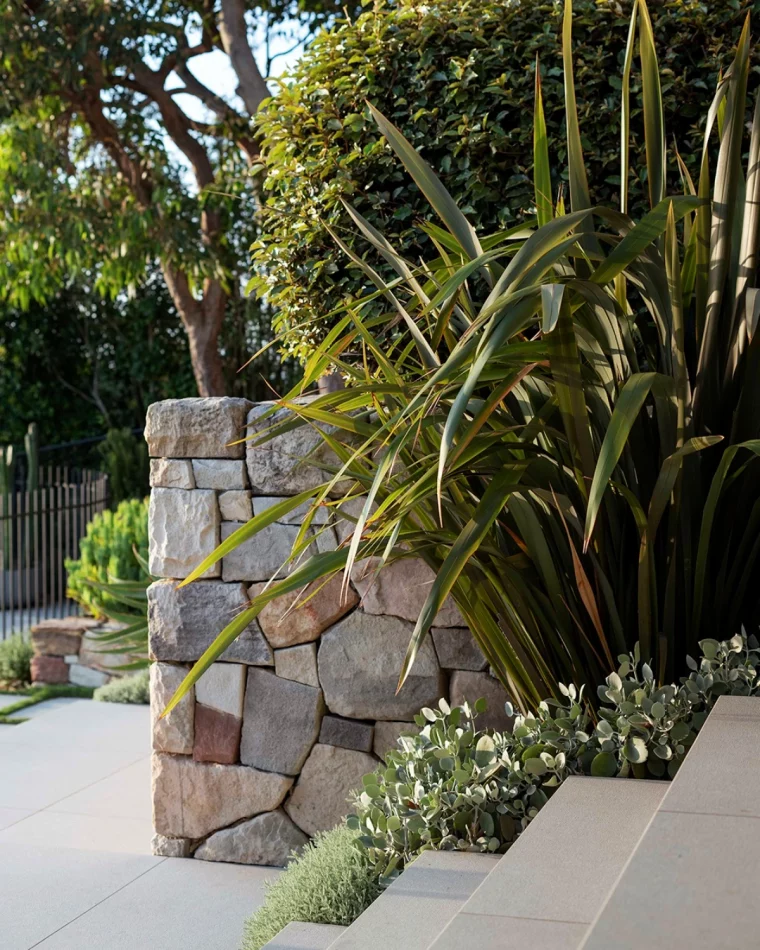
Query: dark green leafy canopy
<point>455,77</point>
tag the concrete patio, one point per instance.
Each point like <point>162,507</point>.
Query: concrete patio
<point>75,830</point>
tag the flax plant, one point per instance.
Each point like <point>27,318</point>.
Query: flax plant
<point>562,420</point>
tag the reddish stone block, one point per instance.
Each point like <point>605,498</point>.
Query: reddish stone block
<point>217,736</point>
<point>49,669</point>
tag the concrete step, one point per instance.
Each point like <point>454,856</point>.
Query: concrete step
<point>411,913</point>
<point>549,886</point>
<point>300,936</point>
<point>692,881</point>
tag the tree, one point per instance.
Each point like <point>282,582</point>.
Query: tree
<point>100,99</point>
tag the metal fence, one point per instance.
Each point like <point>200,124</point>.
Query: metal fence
<point>39,530</point>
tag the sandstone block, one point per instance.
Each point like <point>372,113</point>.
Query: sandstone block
<point>387,736</point>
<point>184,529</point>
<point>85,676</point>
<point>220,474</point>
<point>235,506</point>
<point>400,589</point>
<point>359,661</point>
<point>457,649</point>
<point>55,642</point>
<point>166,847</point>
<point>280,723</point>
<point>171,473</point>
<point>222,687</point>
<point>66,624</point>
<point>183,623</point>
<point>268,839</point>
<point>217,736</point>
<point>175,732</point>
<point>192,799</point>
<point>261,557</point>
<point>346,733</point>
<point>473,686</point>
<point>49,669</point>
<point>298,664</point>
<point>197,428</point>
<point>296,515</point>
<point>284,627</point>
<point>320,797</point>
<point>289,463</point>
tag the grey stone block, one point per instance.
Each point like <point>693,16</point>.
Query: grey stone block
<point>197,428</point>
<point>183,623</point>
<point>298,664</point>
<point>269,839</point>
<point>220,474</point>
<point>360,659</point>
<point>281,722</point>
<point>457,649</point>
<point>400,589</point>
<point>235,506</point>
<point>167,847</point>
<point>261,557</point>
<point>171,473</point>
<point>175,732</point>
<point>468,686</point>
<point>346,733</point>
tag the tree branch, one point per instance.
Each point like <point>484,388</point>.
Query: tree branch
<point>233,30</point>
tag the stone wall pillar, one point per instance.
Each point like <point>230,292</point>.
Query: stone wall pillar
<point>303,704</point>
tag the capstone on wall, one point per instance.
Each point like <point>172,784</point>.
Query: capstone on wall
<point>264,751</point>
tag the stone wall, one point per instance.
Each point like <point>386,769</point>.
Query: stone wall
<point>66,650</point>
<point>265,751</point>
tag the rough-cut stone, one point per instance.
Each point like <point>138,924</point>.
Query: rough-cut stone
<point>289,463</point>
<point>262,556</point>
<point>67,624</point>
<point>325,539</point>
<point>192,799</point>
<point>222,687</point>
<point>173,733</point>
<point>235,506</point>
<point>171,473</point>
<point>319,799</point>
<point>167,847</point>
<point>267,839</point>
<point>400,589</point>
<point>280,723</point>
<point>296,515</point>
<point>220,474</point>
<point>360,659</point>
<point>387,735</point>
<point>85,676</point>
<point>49,669</point>
<point>284,627</point>
<point>298,664</point>
<point>183,623</point>
<point>217,736</point>
<point>197,428</point>
<point>93,652</point>
<point>55,643</point>
<point>473,686</point>
<point>346,733</point>
<point>457,649</point>
<point>184,529</point>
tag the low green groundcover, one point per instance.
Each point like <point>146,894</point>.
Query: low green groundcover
<point>330,882</point>
<point>127,689</point>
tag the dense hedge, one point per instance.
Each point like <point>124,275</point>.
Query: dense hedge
<point>457,77</point>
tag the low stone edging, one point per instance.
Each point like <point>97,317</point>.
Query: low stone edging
<point>66,651</point>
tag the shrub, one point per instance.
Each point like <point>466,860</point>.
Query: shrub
<point>124,457</point>
<point>15,659</point>
<point>330,882</point>
<point>453,788</point>
<point>455,77</point>
<point>126,689</point>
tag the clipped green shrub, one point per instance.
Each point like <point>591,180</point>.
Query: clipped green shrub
<point>456,77</point>
<point>124,457</point>
<point>15,659</point>
<point>127,689</point>
<point>330,882</point>
<point>107,554</point>
<point>454,788</point>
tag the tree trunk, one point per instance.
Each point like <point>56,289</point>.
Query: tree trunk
<point>202,320</point>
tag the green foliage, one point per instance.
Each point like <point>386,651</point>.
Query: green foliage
<point>15,659</point>
<point>330,882</point>
<point>125,460</point>
<point>126,689</point>
<point>454,788</point>
<point>568,432</point>
<point>455,77</point>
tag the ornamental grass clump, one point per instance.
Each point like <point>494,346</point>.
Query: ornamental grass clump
<point>562,419</point>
